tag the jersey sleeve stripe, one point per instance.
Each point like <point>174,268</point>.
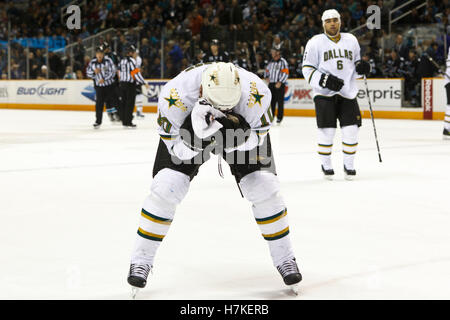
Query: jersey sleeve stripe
<point>310,76</point>
<point>167,137</point>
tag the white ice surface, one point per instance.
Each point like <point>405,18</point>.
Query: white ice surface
<point>70,198</point>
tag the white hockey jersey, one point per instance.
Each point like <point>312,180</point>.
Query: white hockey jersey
<point>324,55</point>
<point>447,70</point>
<point>178,97</point>
<point>138,61</point>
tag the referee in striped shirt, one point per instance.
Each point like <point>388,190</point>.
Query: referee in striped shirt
<point>277,71</point>
<point>129,77</point>
<point>102,70</point>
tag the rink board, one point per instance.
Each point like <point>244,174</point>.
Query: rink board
<point>79,95</point>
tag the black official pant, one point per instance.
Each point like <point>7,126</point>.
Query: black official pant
<point>102,96</point>
<point>113,97</point>
<point>128,94</point>
<point>277,98</point>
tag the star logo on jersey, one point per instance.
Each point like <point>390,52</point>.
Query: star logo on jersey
<point>174,100</point>
<point>212,77</point>
<point>171,100</point>
<point>257,97</point>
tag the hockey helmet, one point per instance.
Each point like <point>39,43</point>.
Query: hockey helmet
<point>330,14</point>
<point>221,85</point>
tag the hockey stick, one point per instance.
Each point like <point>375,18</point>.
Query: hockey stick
<point>373,120</point>
<point>435,64</point>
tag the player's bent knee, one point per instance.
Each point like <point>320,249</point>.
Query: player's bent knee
<point>262,189</point>
<point>168,189</point>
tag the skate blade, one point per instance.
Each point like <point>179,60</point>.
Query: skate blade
<point>349,178</point>
<point>134,292</point>
<point>328,177</point>
<point>294,289</point>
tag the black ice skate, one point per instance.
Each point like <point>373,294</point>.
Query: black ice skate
<point>137,277</point>
<point>116,116</point>
<point>130,126</point>
<point>96,125</point>
<point>328,173</point>
<point>139,115</point>
<point>446,134</point>
<point>111,116</point>
<point>349,174</point>
<point>290,273</point>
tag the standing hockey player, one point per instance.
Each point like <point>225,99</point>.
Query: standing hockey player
<point>331,64</point>
<point>210,101</point>
<point>139,101</point>
<point>446,133</point>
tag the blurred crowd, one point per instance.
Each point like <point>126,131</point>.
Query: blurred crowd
<point>171,35</point>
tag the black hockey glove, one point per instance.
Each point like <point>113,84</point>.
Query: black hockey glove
<point>363,67</point>
<point>190,138</point>
<point>331,82</point>
<point>235,130</point>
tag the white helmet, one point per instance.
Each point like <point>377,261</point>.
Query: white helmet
<point>330,14</point>
<point>221,85</point>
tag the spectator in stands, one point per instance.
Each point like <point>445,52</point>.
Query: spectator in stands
<point>401,47</point>
<point>79,75</point>
<point>155,71</point>
<point>43,73</point>
<point>69,75</point>
<point>56,65</point>
<point>78,53</point>
<point>408,69</point>
<point>392,64</point>
<point>199,55</point>
<point>176,54</point>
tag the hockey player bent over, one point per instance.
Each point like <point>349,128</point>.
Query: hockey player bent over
<point>331,64</point>
<point>209,101</point>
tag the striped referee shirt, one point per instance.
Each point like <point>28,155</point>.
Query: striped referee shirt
<point>107,71</point>
<point>277,71</point>
<point>129,71</point>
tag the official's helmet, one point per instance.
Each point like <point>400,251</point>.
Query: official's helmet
<point>221,85</point>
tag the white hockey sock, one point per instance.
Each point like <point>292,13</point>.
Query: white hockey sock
<point>447,117</point>
<point>325,146</point>
<point>262,190</point>
<point>139,101</point>
<point>349,145</point>
<point>169,187</point>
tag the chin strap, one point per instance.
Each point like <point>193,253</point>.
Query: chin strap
<point>335,38</point>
